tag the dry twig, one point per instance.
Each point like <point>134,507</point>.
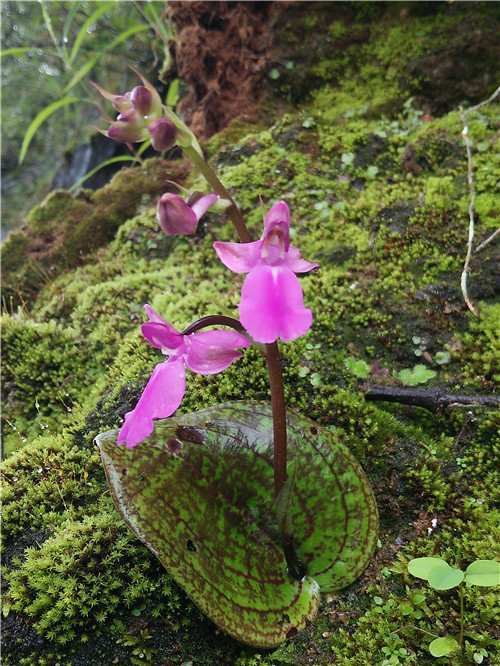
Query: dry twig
<point>470,180</point>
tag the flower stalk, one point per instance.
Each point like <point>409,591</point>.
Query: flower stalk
<point>278,406</point>
<point>233,211</point>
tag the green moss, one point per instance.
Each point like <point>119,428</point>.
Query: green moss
<point>65,228</point>
<point>482,348</point>
<point>60,583</point>
<point>45,368</point>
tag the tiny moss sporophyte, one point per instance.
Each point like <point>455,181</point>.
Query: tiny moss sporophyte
<point>252,509</point>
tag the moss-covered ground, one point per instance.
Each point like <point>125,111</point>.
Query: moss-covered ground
<point>379,198</point>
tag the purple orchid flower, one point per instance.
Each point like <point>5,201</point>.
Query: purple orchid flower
<point>206,352</point>
<point>178,217</point>
<point>271,303</point>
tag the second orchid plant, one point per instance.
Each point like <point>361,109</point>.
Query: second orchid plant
<point>298,548</point>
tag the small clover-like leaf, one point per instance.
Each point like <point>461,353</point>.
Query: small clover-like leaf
<point>440,647</point>
<point>444,577</point>
<point>420,567</point>
<point>359,368</point>
<point>199,492</point>
<point>420,374</point>
<point>483,573</point>
<point>436,572</point>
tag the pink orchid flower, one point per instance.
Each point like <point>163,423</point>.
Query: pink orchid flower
<point>178,217</point>
<point>271,303</point>
<point>205,352</point>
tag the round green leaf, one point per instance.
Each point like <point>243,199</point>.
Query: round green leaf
<point>420,567</point>
<point>444,577</point>
<point>483,573</point>
<point>443,646</point>
<point>199,492</point>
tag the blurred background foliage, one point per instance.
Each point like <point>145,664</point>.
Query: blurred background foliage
<point>50,52</point>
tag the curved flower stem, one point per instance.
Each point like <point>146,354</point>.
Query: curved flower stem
<point>295,567</point>
<point>273,362</point>
<point>233,211</point>
<point>271,353</point>
<point>213,320</point>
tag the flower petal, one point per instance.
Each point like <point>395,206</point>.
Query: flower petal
<point>295,262</point>
<point>272,304</point>
<point>158,319</point>
<point>161,397</point>
<point>239,257</point>
<point>161,337</point>
<point>210,352</point>
<point>202,204</point>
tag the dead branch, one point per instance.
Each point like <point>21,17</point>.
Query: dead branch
<point>433,399</point>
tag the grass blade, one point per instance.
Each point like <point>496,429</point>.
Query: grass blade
<point>17,51</point>
<point>88,66</point>
<point>172,94</point>
<point>50,30</point>
<point>40,118</point>
<point>112,160</point>
<point>82,33</point>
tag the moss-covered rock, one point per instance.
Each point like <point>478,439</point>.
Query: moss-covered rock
<point>379,197</point>
<point>65,229</point>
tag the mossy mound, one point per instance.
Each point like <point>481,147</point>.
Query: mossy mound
<point>379,197</point>
<point>65,229</point>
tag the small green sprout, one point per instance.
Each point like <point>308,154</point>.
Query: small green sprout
<point>441,576</point>
<point>420,374</point>
<point>359,368</point>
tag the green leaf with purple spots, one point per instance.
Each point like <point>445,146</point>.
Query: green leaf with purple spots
<point>199,492</point>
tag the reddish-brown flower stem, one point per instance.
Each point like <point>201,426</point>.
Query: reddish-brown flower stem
<point>278,406</point>
<point>213,320</point>
<point>233,211</point>
<point>271,353</point>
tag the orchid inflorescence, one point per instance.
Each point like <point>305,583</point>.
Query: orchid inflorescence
<point>251,538</point>
<point>271,304</point>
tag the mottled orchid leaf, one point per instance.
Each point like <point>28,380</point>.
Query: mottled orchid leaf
<point>199,492</point>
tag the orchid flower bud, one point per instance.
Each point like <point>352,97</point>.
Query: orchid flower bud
<point>144,99</point>
<point>178,217</point>
<point>163,133</point>
<point>154,109</point>
<point>141,99</point>
<point>129,127</point>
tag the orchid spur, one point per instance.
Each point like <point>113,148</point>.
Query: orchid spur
<point>206,353</point>
<point>271,303</point>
